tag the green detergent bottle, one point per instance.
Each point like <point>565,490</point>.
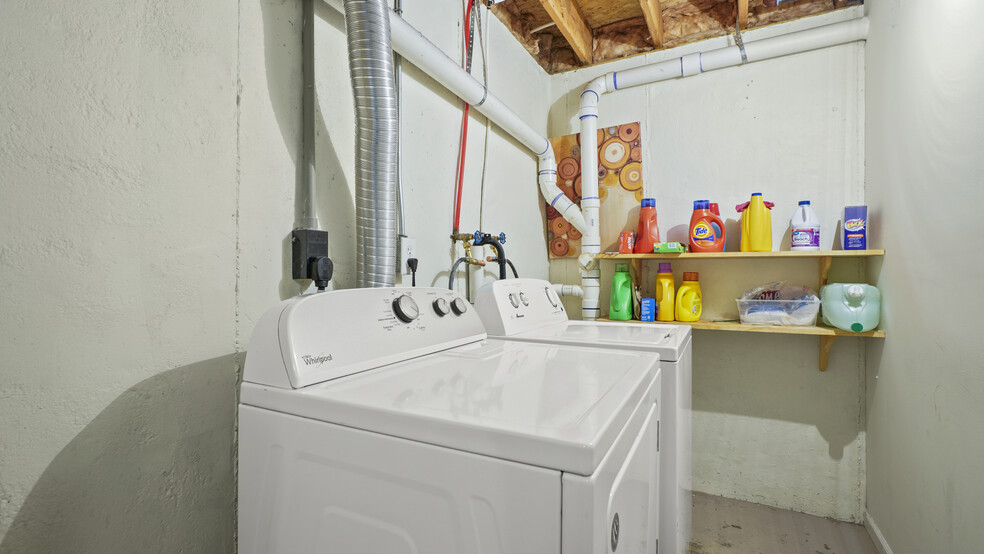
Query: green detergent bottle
<point>620,307</point>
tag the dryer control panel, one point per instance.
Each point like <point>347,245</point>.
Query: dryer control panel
<point>323,336</point>
<point>513,306</point>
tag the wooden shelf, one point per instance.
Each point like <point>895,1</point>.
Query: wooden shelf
<point>824,257</point>
<point>818,330</point>
<point>827,334</point>
<point>739,255</point>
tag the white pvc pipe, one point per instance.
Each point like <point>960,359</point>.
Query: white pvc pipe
<point>568,290</point>
<point>684,66</point>
<point>415,48</point>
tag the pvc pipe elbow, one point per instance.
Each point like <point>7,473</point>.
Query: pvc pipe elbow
<point>591,95</point>
<point>560,202</point>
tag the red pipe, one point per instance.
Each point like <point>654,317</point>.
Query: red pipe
<point>464,133</point>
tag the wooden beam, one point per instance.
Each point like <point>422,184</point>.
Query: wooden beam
<point>653,13</point>
<point>742,14</point>
<point>569,19</point>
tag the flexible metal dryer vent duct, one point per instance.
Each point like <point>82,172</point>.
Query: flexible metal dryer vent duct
<point>377,137</point>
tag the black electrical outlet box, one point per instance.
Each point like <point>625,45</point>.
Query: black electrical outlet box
<point>306,245</point>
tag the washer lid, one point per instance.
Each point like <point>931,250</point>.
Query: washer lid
<point>552,406</point>
<point>666,340</point>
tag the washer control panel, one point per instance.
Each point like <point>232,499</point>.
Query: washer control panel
<point>323,336</point>
<point>512,306</point>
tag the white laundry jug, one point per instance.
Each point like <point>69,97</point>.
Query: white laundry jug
<point>851,306</point>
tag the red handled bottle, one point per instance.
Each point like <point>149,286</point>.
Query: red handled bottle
<point>647,234</point>
<point>703,235</point>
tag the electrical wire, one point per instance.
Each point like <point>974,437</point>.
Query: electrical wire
<point>483,45</point>
<point>401,218</point>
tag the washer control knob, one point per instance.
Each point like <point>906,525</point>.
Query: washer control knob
<point>459,306</point>
<point>441,307</point>
<point>405,309</point>
<point>524,299</point>
<point>551,296</point>
<point>513,299</point>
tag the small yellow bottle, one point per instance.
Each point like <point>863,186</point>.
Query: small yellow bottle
<point>665,292</point>
<point>688,298</point>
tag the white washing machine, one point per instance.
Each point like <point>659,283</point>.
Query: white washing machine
<point>529,310</point>
<point>384,421</point>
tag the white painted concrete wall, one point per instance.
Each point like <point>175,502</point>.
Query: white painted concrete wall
<point>924,164</point>
<point>768,426</point>
<point>147,167</point>
<point>117,258</point>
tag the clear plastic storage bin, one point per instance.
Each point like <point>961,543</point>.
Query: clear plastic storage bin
<point>778,312</point>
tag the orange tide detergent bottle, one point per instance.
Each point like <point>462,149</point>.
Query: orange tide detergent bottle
<point>703,237</point>
<point>688,299</point>
<point>716,210</point>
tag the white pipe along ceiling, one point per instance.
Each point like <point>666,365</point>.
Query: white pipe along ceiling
<point>413,46</point>
<point>685,66</point>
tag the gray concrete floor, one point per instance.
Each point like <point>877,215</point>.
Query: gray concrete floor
<point>723,525</point>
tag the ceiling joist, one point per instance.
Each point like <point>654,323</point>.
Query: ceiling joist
<point>569,19</point>
<point>562,35</point>
<point>653,13</point>
<point>742,14</point>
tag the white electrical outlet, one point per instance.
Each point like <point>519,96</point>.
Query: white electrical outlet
<point>408,249</point>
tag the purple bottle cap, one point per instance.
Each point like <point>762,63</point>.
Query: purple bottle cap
<point>664,267</point>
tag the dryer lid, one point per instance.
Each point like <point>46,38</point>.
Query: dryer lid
<point>667,340</point>
<point>558,407</point>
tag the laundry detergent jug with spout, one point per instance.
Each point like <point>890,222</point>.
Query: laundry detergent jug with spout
<point>620,307</point>
<point>706,229</point>
<point>851,306</point>
<point>756,224</point>
<point>647,234</point>
<point>688,298</point>
<point>665,292</point>
<point>716,210</point>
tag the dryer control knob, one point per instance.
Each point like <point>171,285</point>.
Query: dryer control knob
<point>459,306</point>
<point>405,309</point>
<point>551,296</point>
<point>513,299</point>
<point>524,299</point>
<point>441,307</point>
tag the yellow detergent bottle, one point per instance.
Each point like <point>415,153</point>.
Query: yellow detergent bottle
<point>756,224</point>
<point>688,299</point>
<point>665,292</point>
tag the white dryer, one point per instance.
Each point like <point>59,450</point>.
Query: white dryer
<point>528,310</point>
<point>384,421</point>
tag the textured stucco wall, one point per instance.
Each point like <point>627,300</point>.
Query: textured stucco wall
<point>117,258</point>
<point>925,489</point>
<point>768,427</point>
<point>147,169</point>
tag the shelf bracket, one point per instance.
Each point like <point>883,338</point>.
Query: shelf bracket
<point>825,262</point>
<point>825,344</point>
<point>635,270</point>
